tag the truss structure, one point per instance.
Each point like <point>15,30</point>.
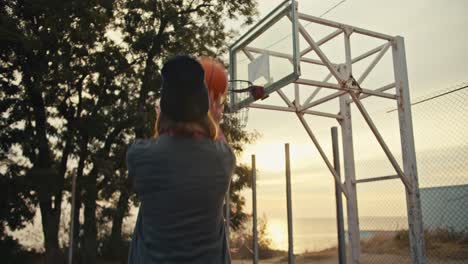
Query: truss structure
<point>348,91</point>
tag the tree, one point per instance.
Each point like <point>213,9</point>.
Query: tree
<point>72,100</point>
<point>44,48</point>
<point>237,137</point>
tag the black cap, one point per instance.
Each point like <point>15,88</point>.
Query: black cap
<point>184,96</point>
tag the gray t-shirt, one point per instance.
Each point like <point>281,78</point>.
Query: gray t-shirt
<point>181,183</point>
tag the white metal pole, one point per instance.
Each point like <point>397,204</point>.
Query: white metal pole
<point>289,206</point>
<point>330,23</point>
<point>381,141</point>
<point>350,178</point>
<point>232,76</point>
<point>297,96</point>
<point>413,202</point>
<point>348,162</point>
<point>254,211</point>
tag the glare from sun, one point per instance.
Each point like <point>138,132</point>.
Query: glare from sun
<point>277,233</point>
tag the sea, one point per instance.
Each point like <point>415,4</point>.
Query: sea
<point>315,234</point>
<point>310,234</point>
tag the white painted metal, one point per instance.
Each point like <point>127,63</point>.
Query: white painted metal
<point>318,83</point>
<point>381,141</point>
<point>322,114</point>
<point>331,67</point>
<point>297,96</point>
<point>232,72</point>
<point>293,110</point>
<point>348,62</point>
<point>330,23</point>
<point>322,154</point>
<point>368,53</point>
<point>376,93</point>
<point>413,202</point>
<point>339,87</point>
<point>322,41</point>
<point>350,177</point>
<point>273,107</point>
<point>381,89</point>
<point>348,161</point>
<point>281,55</point>
<point>317,90</point>
<point>247,53</point>
<point>323,100</point>
<point>381,178</point>
<point>373,63</point>
<point>295,29</point>
<point>285,98</point>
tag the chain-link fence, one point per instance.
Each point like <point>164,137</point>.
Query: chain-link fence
<point>442,118</point>
<point>440,123</point>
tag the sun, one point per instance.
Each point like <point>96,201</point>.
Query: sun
<point>277,233</point>
<point>269,156</point>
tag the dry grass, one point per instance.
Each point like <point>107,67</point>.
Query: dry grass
<point>440,243</point>
<point>320,255</point>
<point>385,243</point>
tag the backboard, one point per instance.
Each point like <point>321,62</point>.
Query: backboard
<point>267,55</point>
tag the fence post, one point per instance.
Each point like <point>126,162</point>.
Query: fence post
<point>289,206</point>
<point>350,178</point>
<point>413,202</point>
<point>339,201</point>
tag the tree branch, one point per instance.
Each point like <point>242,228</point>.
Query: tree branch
<point>191,10</point>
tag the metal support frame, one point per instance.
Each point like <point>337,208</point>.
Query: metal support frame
<point>348,92</point>
<point>350,177</point>
<point>413,202</point>
<point>381,178</point>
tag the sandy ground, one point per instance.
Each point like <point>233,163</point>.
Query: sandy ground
<point>365,259</point>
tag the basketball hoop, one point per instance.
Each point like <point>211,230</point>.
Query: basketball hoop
<point>255,91</point>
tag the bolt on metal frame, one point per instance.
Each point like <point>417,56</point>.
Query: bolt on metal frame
<point>348,91</point>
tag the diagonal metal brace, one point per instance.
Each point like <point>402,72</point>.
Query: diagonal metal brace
<point>342,187</point>
<point>406,181</point>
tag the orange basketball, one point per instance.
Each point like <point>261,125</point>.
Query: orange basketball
<point>215,77</point>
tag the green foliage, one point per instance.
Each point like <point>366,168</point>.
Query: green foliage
<point>73,97</point>
<point>242,178</point>
<point>9,249</point>
<point>242,240</point>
